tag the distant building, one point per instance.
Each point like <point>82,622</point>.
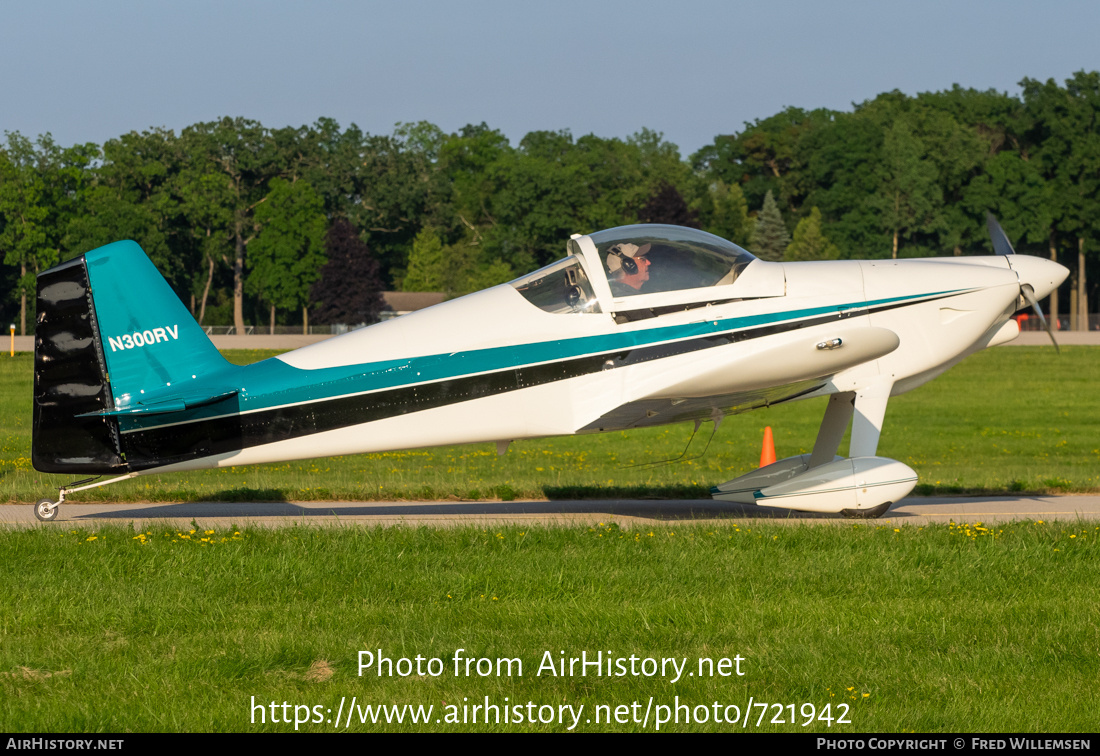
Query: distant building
<point>403,302</point>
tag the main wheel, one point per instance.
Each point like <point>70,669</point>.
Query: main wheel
<point>867,514</point>
<point>45,510</point>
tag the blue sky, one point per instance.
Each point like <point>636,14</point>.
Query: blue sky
<point>692,70</point>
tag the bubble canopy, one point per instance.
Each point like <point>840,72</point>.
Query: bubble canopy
<point>636,260</point>
<point>666,258</point>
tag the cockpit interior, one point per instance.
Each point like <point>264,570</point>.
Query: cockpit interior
<point>632,261</point>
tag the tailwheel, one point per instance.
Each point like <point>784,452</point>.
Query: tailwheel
<point>872,513</point>
<point>46,510</point>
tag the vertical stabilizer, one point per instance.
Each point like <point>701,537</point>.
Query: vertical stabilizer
<point>149,339</point>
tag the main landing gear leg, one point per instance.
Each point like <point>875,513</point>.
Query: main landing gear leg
<point>46,509</point>
<point>837,416</point>
<point>869,408</point>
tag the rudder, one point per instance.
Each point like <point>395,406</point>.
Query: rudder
<point>70,380</point>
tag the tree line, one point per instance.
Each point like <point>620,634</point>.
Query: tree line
<point>310,224</point>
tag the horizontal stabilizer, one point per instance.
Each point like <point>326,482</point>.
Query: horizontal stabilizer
<point>164,406</point>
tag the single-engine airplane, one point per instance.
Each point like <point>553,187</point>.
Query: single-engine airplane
<point>637,326</point>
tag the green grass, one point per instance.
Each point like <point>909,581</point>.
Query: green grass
<point>933,629</point>
<point>1013,419</point>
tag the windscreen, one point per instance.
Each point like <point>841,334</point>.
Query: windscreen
<point>560,287</point>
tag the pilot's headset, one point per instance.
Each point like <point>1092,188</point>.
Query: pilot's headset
<point>621,257</point>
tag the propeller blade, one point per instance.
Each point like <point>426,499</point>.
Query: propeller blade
<point>1029,295</point>
<point>1001,244</point>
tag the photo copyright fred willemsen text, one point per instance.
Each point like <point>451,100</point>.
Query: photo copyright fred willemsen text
<point>484,710</point>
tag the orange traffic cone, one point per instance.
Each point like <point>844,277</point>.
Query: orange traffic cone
<point>767,451</point>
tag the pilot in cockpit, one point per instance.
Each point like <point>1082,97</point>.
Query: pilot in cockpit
<point>627,268</point>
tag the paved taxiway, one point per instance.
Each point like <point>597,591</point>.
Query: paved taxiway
<point>627,513</point>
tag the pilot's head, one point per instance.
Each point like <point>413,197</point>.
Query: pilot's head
<point>627,264</point>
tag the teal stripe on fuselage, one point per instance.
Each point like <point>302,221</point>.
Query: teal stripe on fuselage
<point>273,383</point>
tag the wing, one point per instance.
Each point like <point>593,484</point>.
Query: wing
<point>651,412</point>
<point>744,376</point>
